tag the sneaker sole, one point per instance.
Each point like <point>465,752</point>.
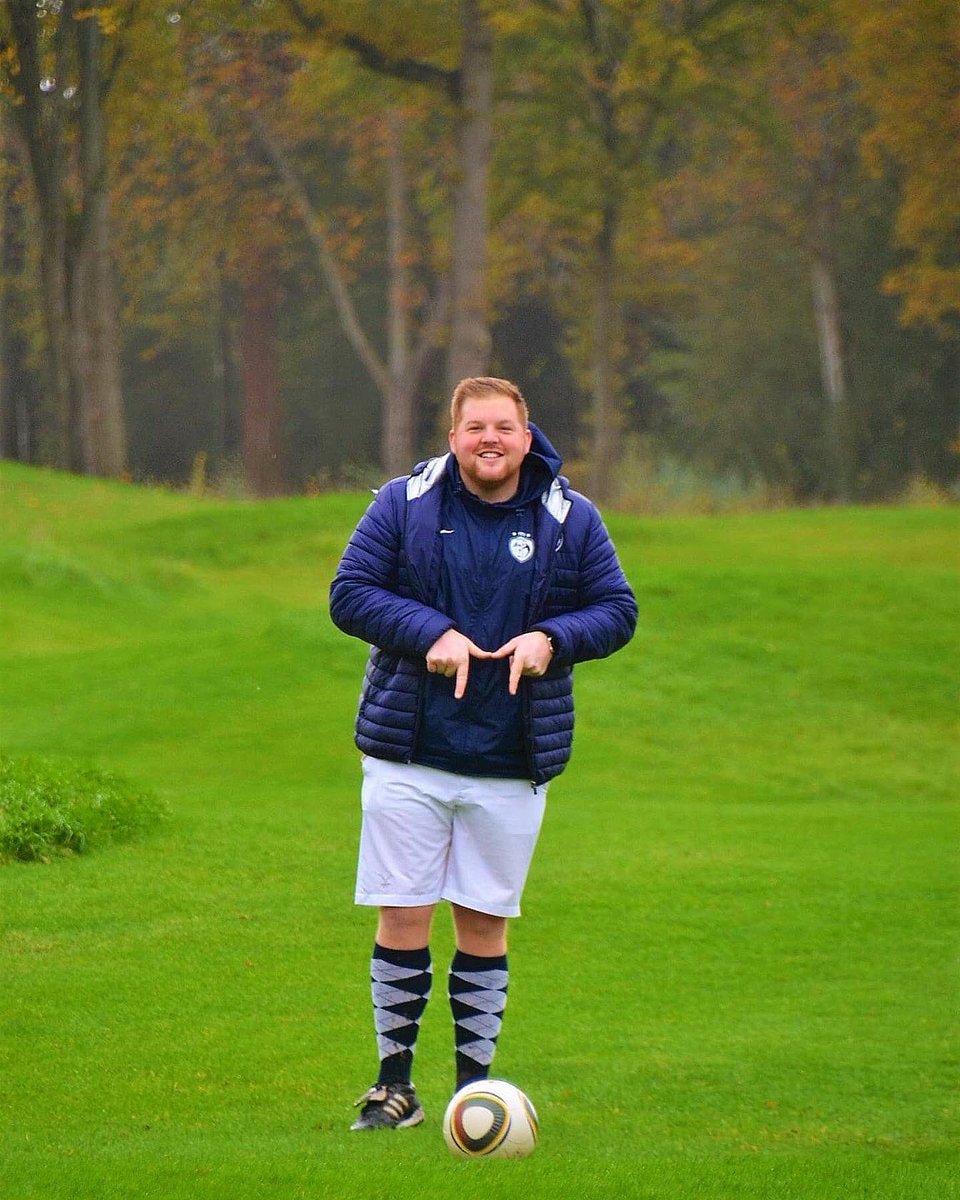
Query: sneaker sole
<point>407,1123</point>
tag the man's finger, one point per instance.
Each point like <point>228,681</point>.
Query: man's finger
<point>516,670</point>
<point>505,650</point>
<point>461,684</point>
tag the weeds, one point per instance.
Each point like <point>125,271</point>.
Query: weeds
<point>59,807</point>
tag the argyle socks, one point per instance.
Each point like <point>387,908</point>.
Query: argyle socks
<point>400,986</point>
<point>478,996</point>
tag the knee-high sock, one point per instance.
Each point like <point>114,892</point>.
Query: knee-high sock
<point>400,985</point>
<point>478,996</point>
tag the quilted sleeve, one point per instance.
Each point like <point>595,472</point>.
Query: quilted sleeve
<point>365,595</point>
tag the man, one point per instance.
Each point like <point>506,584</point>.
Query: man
<point>479,580</point>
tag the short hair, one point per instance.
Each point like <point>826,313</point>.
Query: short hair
<point>477,386</point>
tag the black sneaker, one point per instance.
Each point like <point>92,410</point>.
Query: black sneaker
<point>389,1106</point>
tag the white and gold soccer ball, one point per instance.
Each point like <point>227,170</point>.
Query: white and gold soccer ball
<point>490,1118</point>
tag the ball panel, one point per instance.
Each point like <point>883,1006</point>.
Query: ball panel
<point>479,1123</point>
<point>531,1117</point>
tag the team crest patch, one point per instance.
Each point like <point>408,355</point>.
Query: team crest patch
<point>521,546</point>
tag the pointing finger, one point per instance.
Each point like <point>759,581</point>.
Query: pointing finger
<point>461,684</point>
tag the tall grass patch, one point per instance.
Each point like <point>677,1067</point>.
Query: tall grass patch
<point>56,806</point>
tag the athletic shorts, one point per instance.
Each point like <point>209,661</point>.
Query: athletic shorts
<point>430,835</point>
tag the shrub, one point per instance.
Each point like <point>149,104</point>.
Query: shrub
<point>58,806</point>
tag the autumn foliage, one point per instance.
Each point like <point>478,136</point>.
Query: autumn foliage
<point>263,239</point>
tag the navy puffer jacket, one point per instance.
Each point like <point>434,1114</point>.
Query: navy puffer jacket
<point>386,584</point>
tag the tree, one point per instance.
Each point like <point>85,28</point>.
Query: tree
<point>599,117</point>
<point>469,87</point>
<point>906,61</point>
<point>399,376</point>
<point>259,118</point>
<point>814,102</point>
<point>800,241</point>
<point>218,191</point>
<point>60,62</point>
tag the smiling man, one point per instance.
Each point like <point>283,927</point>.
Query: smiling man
<point>478,581</point>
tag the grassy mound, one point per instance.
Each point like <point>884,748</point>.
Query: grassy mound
<point>50,807</point>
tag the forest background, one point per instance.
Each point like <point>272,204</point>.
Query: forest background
<point>250,244</point>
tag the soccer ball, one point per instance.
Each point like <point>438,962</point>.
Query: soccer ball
<point>490,1118</point>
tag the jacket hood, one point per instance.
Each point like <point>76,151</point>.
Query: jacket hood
<point>543,449</point>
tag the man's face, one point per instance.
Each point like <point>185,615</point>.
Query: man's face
<point>490,443</point>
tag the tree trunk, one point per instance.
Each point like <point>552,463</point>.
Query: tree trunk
<point>228,372</point>
<point>83,410</point>
<point>396,427</point>
<point>96,330</point>
<point>8,415</point>
<point>60,410</point>
<point>604,415</point>
<point>96,348</point>
<point>826,308</point>
<point>604,58</point>
<point>262,408</point>
<point>469,350</point>
<point>39,119</point>
<point>18,392</point>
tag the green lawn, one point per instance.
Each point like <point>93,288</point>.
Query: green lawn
<point>735,976</point>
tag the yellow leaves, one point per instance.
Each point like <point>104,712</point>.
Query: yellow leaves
<point>512,22</point>
<point>9,70</point>
<point>106,16</point>
<point>9,60</point>
<point>906,59</point>
<point>930,293</point>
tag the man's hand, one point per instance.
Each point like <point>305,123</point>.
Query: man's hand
<point>529,654</point>
<point>450,654</point>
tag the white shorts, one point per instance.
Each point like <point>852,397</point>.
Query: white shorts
<point>430,835</point>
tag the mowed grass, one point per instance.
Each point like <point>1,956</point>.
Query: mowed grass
<point>735,975</point>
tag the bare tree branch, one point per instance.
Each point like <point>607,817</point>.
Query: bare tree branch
<point>343,302</point>
<point>111,69</point>
<point>413,70</point>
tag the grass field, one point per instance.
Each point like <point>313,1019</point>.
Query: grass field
<point>735,976</point>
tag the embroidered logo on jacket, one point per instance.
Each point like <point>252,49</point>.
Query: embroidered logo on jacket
<point>521,546</point>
